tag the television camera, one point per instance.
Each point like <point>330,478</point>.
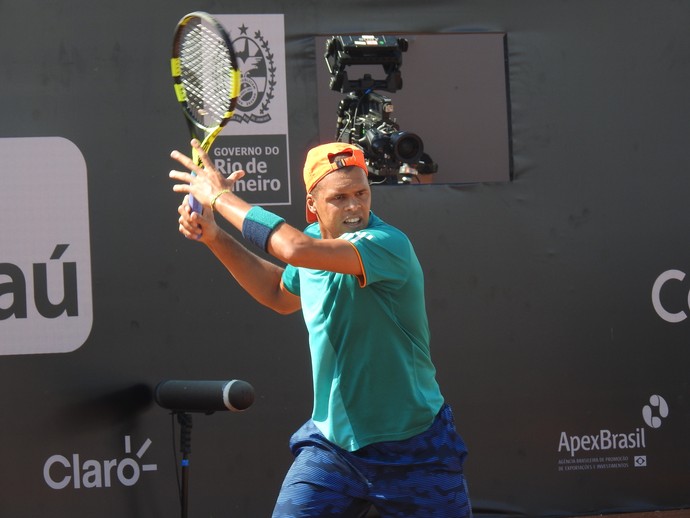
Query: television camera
<point>365,116</point>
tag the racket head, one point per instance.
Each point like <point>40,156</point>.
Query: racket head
<point>205,73</point>
<point>206,78</point>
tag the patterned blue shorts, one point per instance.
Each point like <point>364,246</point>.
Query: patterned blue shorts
<point>417,477</point>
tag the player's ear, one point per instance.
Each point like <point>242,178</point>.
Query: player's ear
<point>311,204</point>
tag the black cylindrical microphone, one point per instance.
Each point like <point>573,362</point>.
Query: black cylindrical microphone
<point>204,396</point>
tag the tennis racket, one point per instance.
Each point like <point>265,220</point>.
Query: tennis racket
<point>206,79</point>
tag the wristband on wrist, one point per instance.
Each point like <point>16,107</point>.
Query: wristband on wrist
<point>258,224</point>
<point>218,195</point>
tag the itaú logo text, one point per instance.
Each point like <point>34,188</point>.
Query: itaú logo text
<point>60,472</point>
<point>668,313</point>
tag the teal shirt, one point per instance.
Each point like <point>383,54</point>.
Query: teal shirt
<point>373,376</point>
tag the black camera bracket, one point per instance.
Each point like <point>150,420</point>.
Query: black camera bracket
<point>343,51</point>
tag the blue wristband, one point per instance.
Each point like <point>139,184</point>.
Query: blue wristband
<point>258,224</point>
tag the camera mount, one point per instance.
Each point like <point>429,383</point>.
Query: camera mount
<point>365,116</point>
<point>344,51</point>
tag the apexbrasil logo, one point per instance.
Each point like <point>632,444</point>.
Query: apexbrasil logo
<point>608,443</point>
<point>603,440</point>
<point>60,472</point>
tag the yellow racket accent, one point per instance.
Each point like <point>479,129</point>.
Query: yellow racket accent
<point>175,67</point>
<point>181,93</point>
<point>235,78</point>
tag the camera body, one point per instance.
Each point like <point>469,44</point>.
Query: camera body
<point>366,121</point>
<point>365,116</point>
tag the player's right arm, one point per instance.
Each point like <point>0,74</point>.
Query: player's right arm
<point>259,277</point>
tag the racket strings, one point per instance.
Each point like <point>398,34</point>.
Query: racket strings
<point>206,75</point>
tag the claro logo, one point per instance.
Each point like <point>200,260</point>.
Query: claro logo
<point>670,279</point>
<point>45,261</point>
<point>60,472</point>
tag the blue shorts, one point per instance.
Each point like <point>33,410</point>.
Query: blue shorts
<point>417,477</point>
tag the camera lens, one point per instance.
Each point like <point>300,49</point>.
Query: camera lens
<point>407,147</point>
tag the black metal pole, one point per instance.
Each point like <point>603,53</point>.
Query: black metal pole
<point>185,421</point>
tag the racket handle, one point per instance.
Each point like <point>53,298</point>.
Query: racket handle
<point>193,202</point>
<point>195,205</point>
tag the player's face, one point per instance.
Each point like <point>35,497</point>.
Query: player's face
<point>341,201</point>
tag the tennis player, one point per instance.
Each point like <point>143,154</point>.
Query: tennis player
<point>380,433</point>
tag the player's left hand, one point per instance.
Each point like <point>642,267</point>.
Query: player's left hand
<point>206,181</point>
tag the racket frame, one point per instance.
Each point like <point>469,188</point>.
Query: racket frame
<point>205,134</point>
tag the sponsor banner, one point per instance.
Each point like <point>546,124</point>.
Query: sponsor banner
<point>45,261</point>
<point>256,138</point>
<point>671,296</point>
<point>263,159</point>
<point>609,449</point>
<point>76,472</point>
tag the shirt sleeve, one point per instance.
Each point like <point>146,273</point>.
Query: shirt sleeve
<point>385,254</point>
<point>291,279</point>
